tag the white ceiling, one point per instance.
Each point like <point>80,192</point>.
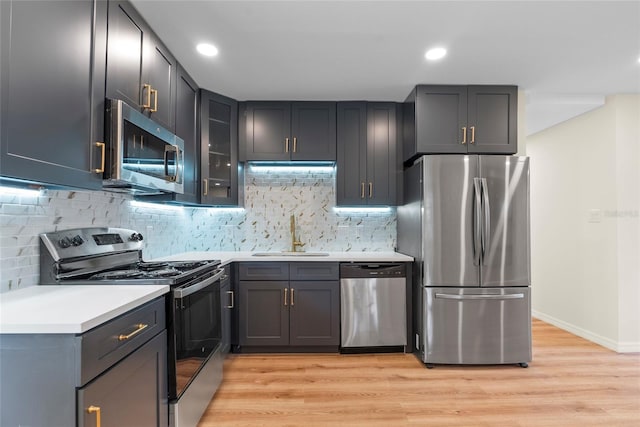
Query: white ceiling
<point>374,50</point>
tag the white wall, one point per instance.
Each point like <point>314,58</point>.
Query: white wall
<point>584,218</point>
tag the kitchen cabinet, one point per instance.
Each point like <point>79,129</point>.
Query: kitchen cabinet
<point>220,172</point>
<point>53,56</point>
<point>227,296</point>
<point>140,69</point>
<point>289,131</point>
<point>460,119</point>
<point>289,305</point>
<point>367,158</point>
<point>114,374</point>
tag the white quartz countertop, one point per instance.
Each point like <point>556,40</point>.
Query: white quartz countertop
<point>71,309</point>
<point>228,257</point>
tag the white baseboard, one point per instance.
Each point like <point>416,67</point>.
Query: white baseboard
<point>618,347</point>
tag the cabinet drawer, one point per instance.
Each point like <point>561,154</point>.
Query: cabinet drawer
<point>105,345</point>
<point>264,271</point>
<point>314,271</point>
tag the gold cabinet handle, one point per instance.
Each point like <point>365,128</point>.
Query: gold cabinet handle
<point>155,101</point>
<point>473,134</point>
<point>286,145</point>
<point>205,187</point>
<point>292,297</point>
<point>370,190</point>
<point>147,104</point>
<point>102,146</point>
<point>232,305</point>
<point>295,144</point>
<point>362,190</point>
<point>285,295</point>
<point>95,410</point>
<point>464,135</point>
<point>140,327</point>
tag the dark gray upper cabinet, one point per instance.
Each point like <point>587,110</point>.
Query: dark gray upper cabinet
<point>285,131</point>
<point>140,69</point>
<point>220,172</point>
<point>460,119</point>
<point>187,129</point>
<point>367,158</point>
<point>52,104</point>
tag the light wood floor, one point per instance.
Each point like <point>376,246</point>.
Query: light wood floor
<point>571,382</point>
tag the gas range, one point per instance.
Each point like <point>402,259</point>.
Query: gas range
<point>101,255</point>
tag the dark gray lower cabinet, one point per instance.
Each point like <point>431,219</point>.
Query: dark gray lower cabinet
<point>303,312</point>
<point>227,298</point>
<point>76,380</point>
<point>129,394</point>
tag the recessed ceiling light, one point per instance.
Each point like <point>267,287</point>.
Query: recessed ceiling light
<point>207,49</point>
<point>435,53</point>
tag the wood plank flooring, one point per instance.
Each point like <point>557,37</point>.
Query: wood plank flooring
<point>571,382</point>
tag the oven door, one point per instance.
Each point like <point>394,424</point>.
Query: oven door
<point>197,327</point>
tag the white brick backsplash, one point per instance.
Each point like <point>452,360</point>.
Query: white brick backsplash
<point>270,199</point>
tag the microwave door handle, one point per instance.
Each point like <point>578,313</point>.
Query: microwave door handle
<point>175,149</point>
<point>180,293</point>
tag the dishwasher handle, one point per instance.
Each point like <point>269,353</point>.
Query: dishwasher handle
<point>367,270</point>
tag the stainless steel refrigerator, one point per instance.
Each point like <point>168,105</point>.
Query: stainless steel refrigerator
<point>465,220</point>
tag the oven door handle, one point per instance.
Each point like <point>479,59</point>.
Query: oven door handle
<point>179,293</point>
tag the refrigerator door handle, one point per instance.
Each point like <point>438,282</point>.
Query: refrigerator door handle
<point>477,221</point>
<point>479,297</point>
<point>486,228</point>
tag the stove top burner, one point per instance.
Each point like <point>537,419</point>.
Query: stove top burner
<point>155,270</point>
<point>147,266</point>
<point>117,274</point>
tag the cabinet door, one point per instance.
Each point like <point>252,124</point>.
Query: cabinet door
<point>52,92</point>
<point>381,153</point>
<point>441,119</point>
<point>124,58</point>
<point>227,306</point>
<point>132,393</point>
<point>159,71</point>
<point>351,159</point>
<point>314,313</point>
<point>264,313</point>
<point>492,117</point>
<point>219,150</point>
<point>186,128</point>
<point>268,132</point>
<point>313,131</point>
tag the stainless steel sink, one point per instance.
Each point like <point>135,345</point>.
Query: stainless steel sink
<point>289,253</point>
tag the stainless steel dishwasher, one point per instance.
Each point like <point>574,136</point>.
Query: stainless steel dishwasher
<point>373,309</point>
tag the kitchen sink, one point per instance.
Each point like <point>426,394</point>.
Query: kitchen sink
<point>289,253</point>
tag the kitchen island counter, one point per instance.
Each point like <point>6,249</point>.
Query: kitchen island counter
<point>70,309</point>
<point>229,257</point>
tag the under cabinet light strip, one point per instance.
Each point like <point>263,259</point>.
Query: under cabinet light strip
<point>19,191</point>
<point>285,169</point>
<point>160,206</point>
<point>362,210</point>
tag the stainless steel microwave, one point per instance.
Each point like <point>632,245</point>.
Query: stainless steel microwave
<point>142,157</point>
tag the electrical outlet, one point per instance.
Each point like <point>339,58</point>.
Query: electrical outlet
<point>595,215</point>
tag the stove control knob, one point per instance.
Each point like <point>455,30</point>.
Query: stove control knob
<point>77,241</point>
<point>64,243</point>
<point>136,237</point>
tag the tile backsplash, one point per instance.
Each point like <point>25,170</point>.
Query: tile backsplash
<point>270,198</point>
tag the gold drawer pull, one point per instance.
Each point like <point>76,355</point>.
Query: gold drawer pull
<point>147,87</point>
<point>102,146</point>
<point>464,135</point>
<point>95,409</point>
<point>139,326</point>
<point>292,303</point>
<point>155,101</point>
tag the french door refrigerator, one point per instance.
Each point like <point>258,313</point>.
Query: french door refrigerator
<point>465,220</point>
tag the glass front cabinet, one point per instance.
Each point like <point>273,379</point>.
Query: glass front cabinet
<point>221,174</point>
